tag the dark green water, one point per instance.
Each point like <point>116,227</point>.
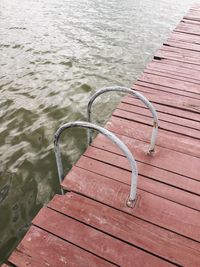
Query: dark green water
<point>53,56</point>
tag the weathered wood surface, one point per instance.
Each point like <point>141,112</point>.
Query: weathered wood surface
<point>173,141</point>
<point>91,225</point>
<point>41,248</point>
<point>165,125</point>
<point>177,71</point>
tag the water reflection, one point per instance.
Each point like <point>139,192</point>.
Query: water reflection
<point>54,55</point>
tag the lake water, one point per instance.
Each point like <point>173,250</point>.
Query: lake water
<point>53,56</point>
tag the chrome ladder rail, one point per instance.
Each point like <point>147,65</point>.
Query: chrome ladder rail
<point>135,94</point>
<point>109,135</point>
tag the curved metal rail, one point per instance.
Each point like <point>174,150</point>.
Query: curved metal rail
<point>137,95</point>
<point>109,135</point>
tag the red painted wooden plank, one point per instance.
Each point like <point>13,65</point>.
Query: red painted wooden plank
<point>180,51</point>
<point>193,22</point>
<point>163,109</point>
<point>166,191</point>
<point>172,63</point>
<point>178,70</point>
<point>171,83</point>
<point>163,158</point>
<point>40,248</point>
<point>162,117</point>
<point>192,17</point>
<point>172,75</point>
<point>140,233</point>
<point>173,92</point>
<point>188,28</point>
<point>177,57</point>
<point>145,170</point>
<point>168,99</point>
<point>189,38</point>
<point>165,139</point>
<point>183,45</point>
<point>149,207</point>
<point>93,240</point>
<point>20,259</point>
<point>162,124</point>
<point>193,11</point>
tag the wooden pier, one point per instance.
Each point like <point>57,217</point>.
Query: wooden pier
<point>91,225</point>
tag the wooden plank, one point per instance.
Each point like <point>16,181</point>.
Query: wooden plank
<point>94,241</point>
<point>177,70</point>
<point>139,150</point>
<point>187,28</point>
<point>193,22</point>
<point>130,107</point>
<point>149,185</point>
<point>165,139</point>
<point>172,75</point>
<point>182,45</point>
<point>171,83</point>
<point>162,116</point>
<point>148,207</point>
<point>174,92</point>
<point>180,51</point>
<point>163,109</point>
<point>193,14</point>
<point>162,124</point>
<point>21,259</point>
<point>172,63</point>
<point>159,241</point>
<point>177,57</point>
<point>169,99</point>
<point>163,158</point>
<point>184,37</point>
<point>180,137</point>
<point>145,170</point>
<point>193,11</point>
<point>192,17</point>
<point>40,248</point>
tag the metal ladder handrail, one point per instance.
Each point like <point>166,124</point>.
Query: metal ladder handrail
<point>109,135</point>
<point>137,95</point>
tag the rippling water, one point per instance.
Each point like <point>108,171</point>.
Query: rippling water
<point>53,56</point>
